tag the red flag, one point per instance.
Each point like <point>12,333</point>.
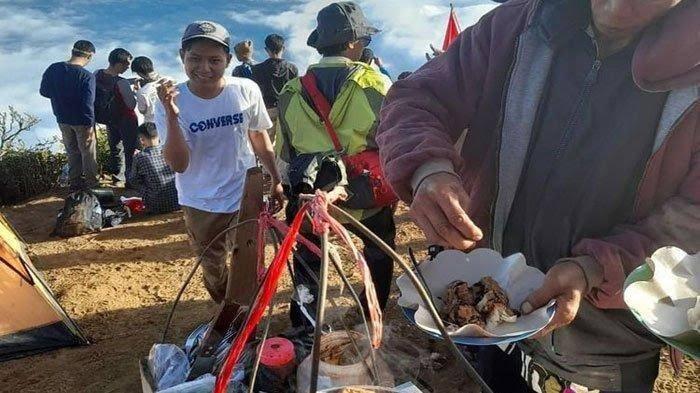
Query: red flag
<point>453,29</point>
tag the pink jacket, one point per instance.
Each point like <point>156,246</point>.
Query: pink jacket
<point>489,81</point>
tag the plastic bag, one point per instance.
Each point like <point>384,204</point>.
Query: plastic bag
<point>112,218</point>
<point>168,364</point>
<point>81,214</point>
<point>205,384</point>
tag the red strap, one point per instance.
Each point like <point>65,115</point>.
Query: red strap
<point>321,104</point>
<point>262,300</point>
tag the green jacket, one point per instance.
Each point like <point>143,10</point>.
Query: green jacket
<point>354,114</point>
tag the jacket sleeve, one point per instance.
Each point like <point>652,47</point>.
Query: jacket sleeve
<point>127,94</point>
<point>424,114</point>
<point>44,89</point>
<point>89,97</point>
<point>676,222</point>
<point>668,55</point>
<point>283,148</point>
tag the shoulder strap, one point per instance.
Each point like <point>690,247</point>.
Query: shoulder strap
<point>308,81</point>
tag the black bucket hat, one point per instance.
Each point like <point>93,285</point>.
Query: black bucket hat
<point>339,23</point>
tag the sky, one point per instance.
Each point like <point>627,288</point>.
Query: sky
<point>34,34</point>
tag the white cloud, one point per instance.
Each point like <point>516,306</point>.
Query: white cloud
<point>31,40</point>
<point>25,51</point>
<point>296,22</point>
<point>408,26</point>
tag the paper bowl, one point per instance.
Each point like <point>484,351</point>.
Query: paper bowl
<point>513,275</point>
<point>663,293</point>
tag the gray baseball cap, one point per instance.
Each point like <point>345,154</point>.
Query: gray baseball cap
<point>339,23</point>
<point>209,30</point>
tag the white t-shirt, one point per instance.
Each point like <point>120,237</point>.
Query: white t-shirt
<point>146,98</point>
<point>216,131</point>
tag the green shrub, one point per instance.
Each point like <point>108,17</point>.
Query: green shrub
<point>27,172</point>
<point>102,149</point>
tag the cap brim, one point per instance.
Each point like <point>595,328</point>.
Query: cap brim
<point>371,30</point>
<point>313,39</point>
<point>222,42</point>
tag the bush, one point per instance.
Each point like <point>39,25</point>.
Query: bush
<point>27,172</point>
<point>102,149</point>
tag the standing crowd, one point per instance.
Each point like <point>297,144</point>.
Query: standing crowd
<point>582,152</point>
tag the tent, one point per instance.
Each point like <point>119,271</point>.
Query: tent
<point>31,320</point>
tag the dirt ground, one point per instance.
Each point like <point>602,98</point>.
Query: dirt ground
<point>119,284</point>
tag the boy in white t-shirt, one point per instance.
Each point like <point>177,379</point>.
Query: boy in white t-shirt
<point>213,126</point>
<point>146,95</point>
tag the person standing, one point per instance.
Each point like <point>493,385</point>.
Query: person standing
<point>71,89</point>
<point>355,92</point>
<point>583,154</point>
<point>244,54</point>
<point>146,95</point>
<point>115,101</point>
<point>209,124</point>
<point>271,76</point>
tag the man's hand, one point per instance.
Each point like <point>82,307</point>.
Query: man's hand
<point>566,283</point>
<point>167,91</point>
<point>438,208</point>
<point>277,196</point>
<point>436,52</point>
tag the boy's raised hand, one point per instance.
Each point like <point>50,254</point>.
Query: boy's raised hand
<point>167,91</point>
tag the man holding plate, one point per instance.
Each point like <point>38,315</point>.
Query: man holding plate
<point>582,152</point>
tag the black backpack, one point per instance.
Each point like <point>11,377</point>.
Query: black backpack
<point>81,214</point>
<point>105,94</point>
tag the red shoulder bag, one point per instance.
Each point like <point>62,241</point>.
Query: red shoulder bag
<point>365,163</point>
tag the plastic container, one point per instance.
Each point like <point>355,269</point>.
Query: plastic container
<point>278,356</point>
<point>105,196</point>
<point>134,204</point>
<point>337,345</point>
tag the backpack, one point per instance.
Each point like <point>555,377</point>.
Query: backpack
<point>244,70</point>
<point>366,179</point>
<point>81,214</point>
<point>105,94</point>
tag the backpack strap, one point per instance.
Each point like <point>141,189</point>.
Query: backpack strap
<point>308,81</point>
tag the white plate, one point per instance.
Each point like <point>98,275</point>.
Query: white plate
<point>513,275</point>
<point>665,301</point>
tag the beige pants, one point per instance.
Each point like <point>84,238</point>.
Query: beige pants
<point>274,116</point>
<point>203,228</point>
<point>81,149</point>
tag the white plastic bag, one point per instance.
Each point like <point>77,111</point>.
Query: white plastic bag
<point>169,365</point>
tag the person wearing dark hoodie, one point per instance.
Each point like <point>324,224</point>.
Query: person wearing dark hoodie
<point>582,153</point>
